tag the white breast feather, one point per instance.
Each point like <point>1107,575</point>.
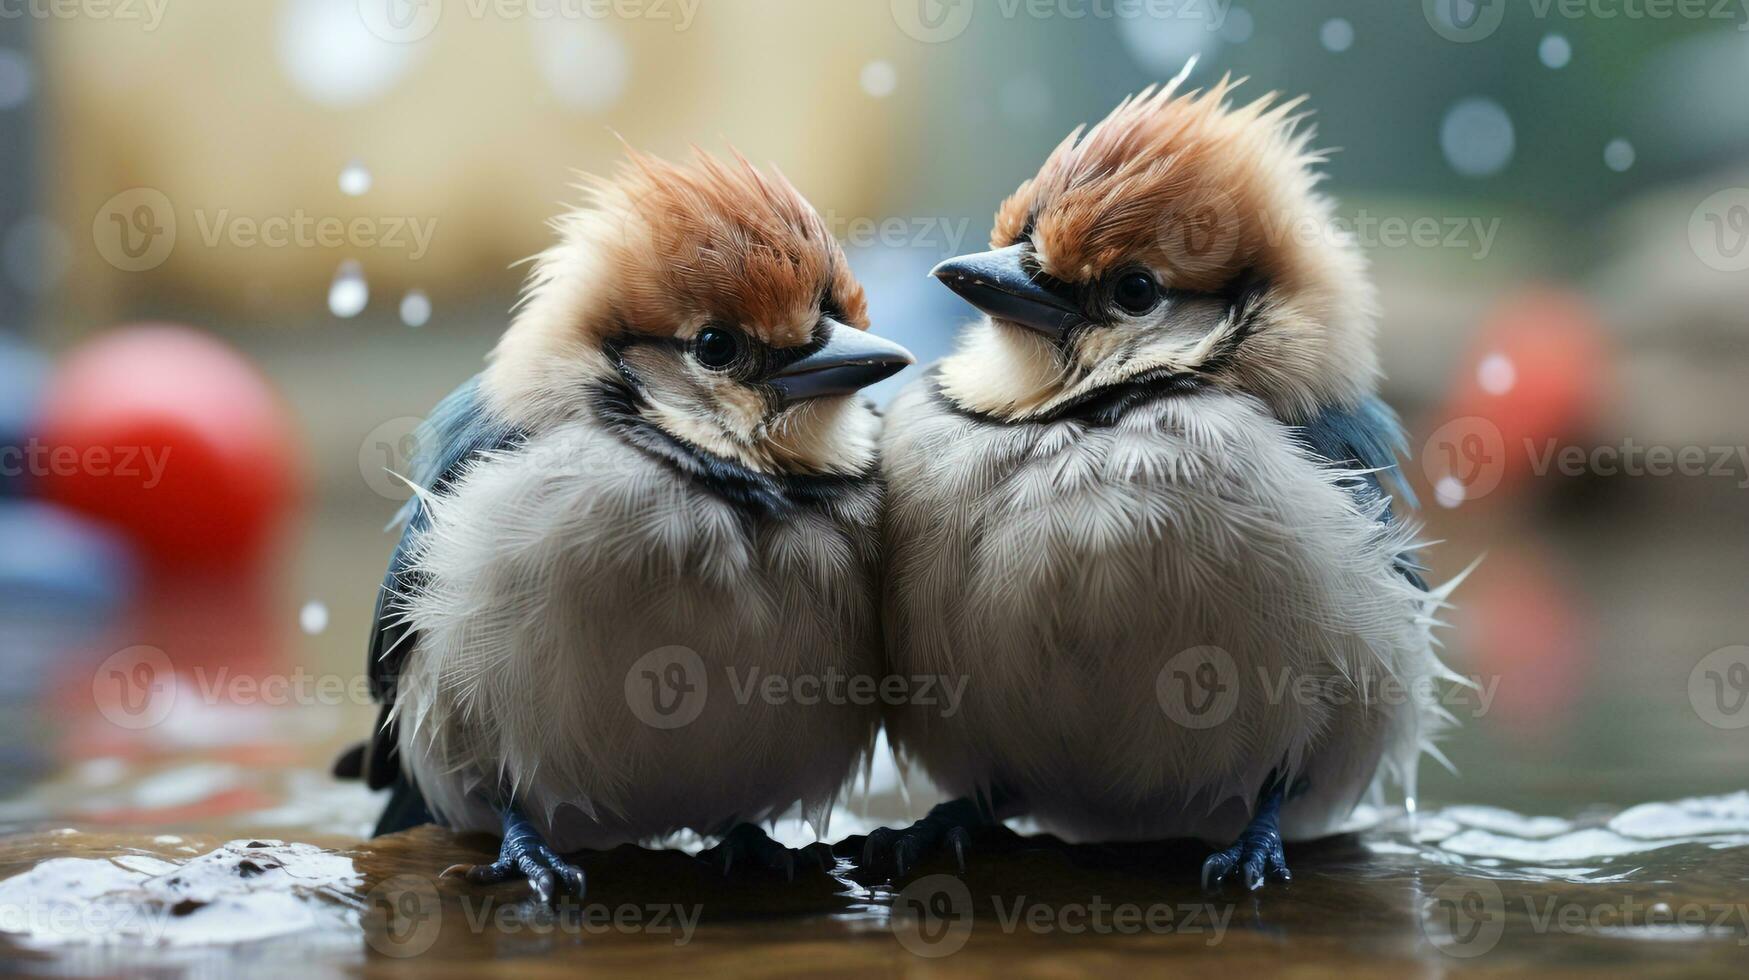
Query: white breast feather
<point>1060,566</point>
<point>551,569</point>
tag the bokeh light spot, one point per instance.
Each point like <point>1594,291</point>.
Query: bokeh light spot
<point>1477,137</point>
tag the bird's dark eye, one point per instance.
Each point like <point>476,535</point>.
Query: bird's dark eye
<point>716,348</point>
<point>1136,292</point>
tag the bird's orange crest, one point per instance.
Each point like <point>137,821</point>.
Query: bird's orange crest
<point>720,236</point>
<point>1192,187</point>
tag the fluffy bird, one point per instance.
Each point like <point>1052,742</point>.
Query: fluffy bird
<point>662,475</point>
<point>1140,507</point>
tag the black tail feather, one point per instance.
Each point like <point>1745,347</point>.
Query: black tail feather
<point>405,811</point>
<point>350,763</point>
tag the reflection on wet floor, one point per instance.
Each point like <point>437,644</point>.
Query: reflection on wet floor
<point>1655,889</point>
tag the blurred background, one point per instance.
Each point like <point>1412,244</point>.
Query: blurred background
<point>244,247</point>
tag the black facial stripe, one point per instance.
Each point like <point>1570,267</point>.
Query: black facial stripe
<point>1246,296</point>
<point>755,494</point>
<point>765,359</point>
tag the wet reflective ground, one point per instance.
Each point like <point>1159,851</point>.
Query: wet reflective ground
<point>1654,890</point>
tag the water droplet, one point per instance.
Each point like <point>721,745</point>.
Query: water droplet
<point>1238,27</point>
<point>1161,45</point>
<point>331,55</point>
<point>1618,155</point>
<point>415,308</point>
<point>1496,374</point>
<point>1555,51</point>
<point>1336,35</point>
<point>16,79</point>
<point>348,293</point>
<point>1449,491</point>
<point>584,62</point>
<point>1477,137</point>
<point>879,78</point>
<point>313,618</point>
<point>354,179</point>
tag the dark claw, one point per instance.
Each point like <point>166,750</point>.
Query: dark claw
<point>959,837</point>
<point>898,853</point>
<point>879,842</point>
<point>746,846</point>
<point>1217,867</point>
<point>906,853</point>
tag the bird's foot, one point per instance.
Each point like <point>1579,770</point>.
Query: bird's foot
<point>526,856</point>
<point>746,847</point>
<point>948,827</point>
<point>1257,853</point>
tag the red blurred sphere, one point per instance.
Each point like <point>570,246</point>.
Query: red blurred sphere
<point>1537,376</point>
<point>176,440</point>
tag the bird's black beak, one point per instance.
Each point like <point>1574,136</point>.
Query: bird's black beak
<point>996,283</point>
<point>850,361</point>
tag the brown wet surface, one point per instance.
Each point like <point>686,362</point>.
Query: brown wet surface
<point>1653,891</point>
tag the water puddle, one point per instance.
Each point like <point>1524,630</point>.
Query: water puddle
<point>1659,884</point>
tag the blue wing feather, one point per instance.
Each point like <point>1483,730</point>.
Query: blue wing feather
<point>1367,436</point>
<point>455,433</point>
